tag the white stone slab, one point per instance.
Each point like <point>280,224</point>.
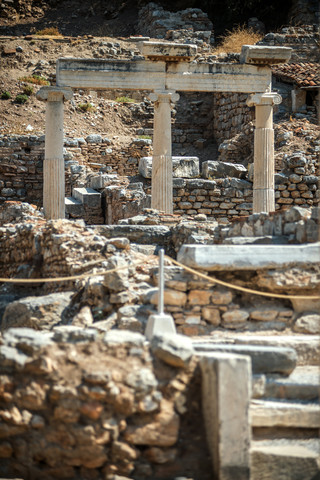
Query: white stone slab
<point>226,390</point>
<point>264,55</point>
<point>247,257</point>
<point>157,75</point>
<point>284,414</point>
<point>168,50</point>
<point>182,167</point>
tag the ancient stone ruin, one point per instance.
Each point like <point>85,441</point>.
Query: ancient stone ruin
<point>160,312</point>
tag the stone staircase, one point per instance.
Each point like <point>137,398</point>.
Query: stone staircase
<point>284,408</point>
<point>85,203</point>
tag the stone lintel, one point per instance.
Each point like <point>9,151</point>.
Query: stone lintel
<point>167,51</point>
<point>268,98</point>
<point>247,257</point>
<point>54,94</point>
<point>261,55</point>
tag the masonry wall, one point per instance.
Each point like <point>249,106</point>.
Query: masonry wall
<point>96,418</point>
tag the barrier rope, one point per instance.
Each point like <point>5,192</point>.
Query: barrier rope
<point>237,287</point>
<point>169,259</point>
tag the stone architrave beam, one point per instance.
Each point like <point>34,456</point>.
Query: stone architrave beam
<point>263,167</point>
<point>159,75</point>
<point>53,165</point>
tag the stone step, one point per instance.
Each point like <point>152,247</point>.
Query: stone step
<point>265,359</point>
<point>73,206</point>
<point>272,413</point>
<point>302,384</point>
<point>87,196</point>
<point>285,460</point>
<point>306,346</point>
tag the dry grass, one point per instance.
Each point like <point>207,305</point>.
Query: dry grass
<point>35,79</point>
<point>233,40</point>
<point>52,31</point>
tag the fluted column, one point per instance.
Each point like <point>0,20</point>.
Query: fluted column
<point>263,168</point>
<point>53,165</point>
<point>161,188</point>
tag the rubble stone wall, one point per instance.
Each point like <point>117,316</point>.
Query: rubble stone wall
<point>230,112</point>
<point>75,406</point>
<point>303,39</point>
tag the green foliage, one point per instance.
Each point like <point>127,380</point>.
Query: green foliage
<point>21,98</point>
<point>124,100</point>
<point>86,107</point>
<point>28,90</point>
<point>145,137</point>
<point>35,79</point>
<point>5,95</point>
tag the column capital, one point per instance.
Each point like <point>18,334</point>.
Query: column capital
<point>164,96</point>
<point>54,94</point>
<point>260,99</point>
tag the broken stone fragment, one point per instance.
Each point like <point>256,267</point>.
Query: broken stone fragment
<point>175,350</point>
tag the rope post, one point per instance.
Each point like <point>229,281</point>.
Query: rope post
<point>160,323</point>
<point>161,282</point>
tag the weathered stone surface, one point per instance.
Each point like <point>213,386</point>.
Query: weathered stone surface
<point>176,350</point>
<point>309,323</point>
<point>302,384</point>
<point>118,280</point>
<point>263,55</point>
<point>235,316</point>
<point>264,359</point>
<point>199,297</point>
<point>283,462</point>
<point>119,337</point>
<point>229,446</point>
<point>182,167</point>
<point>267,413</point>
<point>215,169</point>
<point>37,312</point>
<point>242,257</point>
<point>212,315</point>
<point>162,432</point>
<point>171,297</point>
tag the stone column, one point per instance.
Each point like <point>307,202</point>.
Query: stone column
<point>161,187</point>
<point>53,165</point>
<point>263,176</point>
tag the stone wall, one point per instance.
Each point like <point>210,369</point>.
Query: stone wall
<point>192,23</point>
<point>21,163</point>
<point>73,405</point>
<point>230,112</point>
<point>304,40</point>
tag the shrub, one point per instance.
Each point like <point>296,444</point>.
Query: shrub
<point>53,31</point>
<point>21,98</point>
<point>233,40</point>
<point>124,100</point>
<point>86,107</point>
<point>5,95</point>
<point>35,79</point>
<point>28,90</point>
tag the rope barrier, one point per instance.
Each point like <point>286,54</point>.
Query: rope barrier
<point>175,262</point>
<point>237,287</point>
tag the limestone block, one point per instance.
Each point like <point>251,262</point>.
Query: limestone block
<point>211,315</point>
<point>215,169</point>
<point>262,55</point>
<point>284,414</point>
<point>199,297</point>
<point>175,350</point>
<point>284,461</point>
<point>87,196</point>
<point>182,167</point>
<point>226,415</point>
<point>235,316</point>
<point>309,323</point>
<point>247,257</point>
<point>167,50</point>
<point>171,297</point>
